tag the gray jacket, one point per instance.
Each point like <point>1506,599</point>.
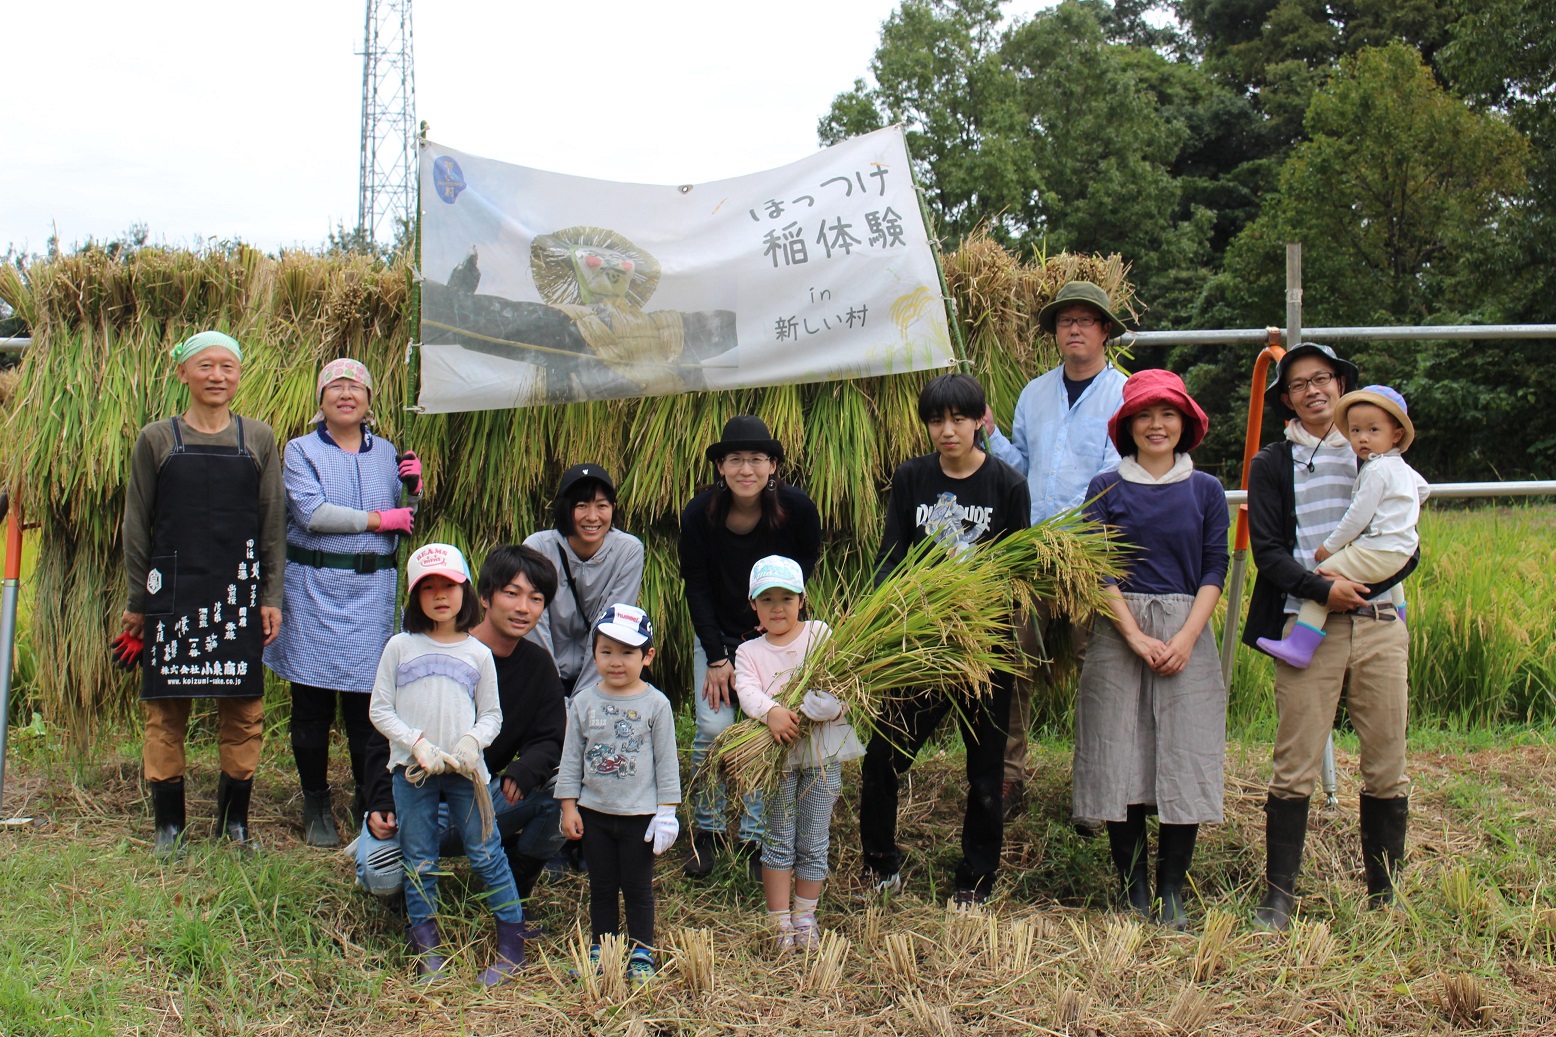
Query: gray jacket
<point>614,574</point>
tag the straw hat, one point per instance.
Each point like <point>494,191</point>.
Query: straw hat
<point>1380,396</point>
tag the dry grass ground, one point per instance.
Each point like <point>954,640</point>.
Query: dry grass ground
<point>97,938</point>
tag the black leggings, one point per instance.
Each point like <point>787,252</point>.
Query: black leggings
<point>619,862</point>
<point>313,713</point>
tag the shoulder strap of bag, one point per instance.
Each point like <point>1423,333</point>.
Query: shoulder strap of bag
<point>567,571</point>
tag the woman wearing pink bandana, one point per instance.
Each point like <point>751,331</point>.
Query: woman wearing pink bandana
<point>343,528</point>
<point>1150,714</point>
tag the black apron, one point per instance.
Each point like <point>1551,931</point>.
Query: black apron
<point>204,634</point>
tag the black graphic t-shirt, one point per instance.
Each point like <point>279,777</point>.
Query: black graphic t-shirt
<point>925,502</point>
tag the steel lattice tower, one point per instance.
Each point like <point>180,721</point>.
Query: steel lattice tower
<point>386,195</point>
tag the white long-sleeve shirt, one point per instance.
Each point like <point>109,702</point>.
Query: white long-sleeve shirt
<point>1385,508</point>
<point>441,691</point>
<point>1057,447</point>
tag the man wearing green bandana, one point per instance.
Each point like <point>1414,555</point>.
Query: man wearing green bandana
<point>204,550</point>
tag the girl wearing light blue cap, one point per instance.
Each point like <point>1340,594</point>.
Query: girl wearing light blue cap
<point>798,819</point>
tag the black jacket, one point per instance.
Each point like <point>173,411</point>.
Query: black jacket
<point>1272,537</point>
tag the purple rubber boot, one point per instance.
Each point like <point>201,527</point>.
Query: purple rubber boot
<point>510,954</point>
<point>426,946</point>
<point>1298,648</point>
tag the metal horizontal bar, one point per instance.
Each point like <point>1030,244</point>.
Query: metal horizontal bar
<point>1456,490</point>
<point>14,345</point>
<point>1257,336</point>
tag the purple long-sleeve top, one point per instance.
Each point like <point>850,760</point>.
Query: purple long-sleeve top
<point>1178,529</point>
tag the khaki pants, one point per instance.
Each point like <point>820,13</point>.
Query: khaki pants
<point>1372,653</point>
<point>240,723</point>
<point>1032,649</point>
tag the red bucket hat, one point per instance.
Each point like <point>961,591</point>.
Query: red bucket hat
<point>1158,386</point>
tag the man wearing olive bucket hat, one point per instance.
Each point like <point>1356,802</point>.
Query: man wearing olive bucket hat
<point>1299,490</point>
<point>1059,442</point>
<point>204,543</point>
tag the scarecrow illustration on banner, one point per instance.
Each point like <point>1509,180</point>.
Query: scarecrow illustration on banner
<point>592,336</point>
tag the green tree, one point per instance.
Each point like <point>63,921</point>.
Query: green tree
<point>938,72</point>
<point>1043,130</point>
<point>1399,196</point>
<point>1503,58</point>
<point>1280,52</point>
<point>1396,194</point>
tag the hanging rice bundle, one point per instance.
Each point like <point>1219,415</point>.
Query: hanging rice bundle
<point>102,325</point>
<point>937,623</point>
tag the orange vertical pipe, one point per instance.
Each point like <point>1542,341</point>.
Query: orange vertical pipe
<point>13,542</point>
<point>1261,369</point>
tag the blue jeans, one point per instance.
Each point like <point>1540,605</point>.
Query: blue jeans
<point>710,804</point>
<point>417,808</point>
<point>530,826</point>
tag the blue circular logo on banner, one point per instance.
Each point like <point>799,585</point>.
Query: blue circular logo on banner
<point>447,178</point>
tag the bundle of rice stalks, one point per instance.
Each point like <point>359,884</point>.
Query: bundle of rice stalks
<point>98,370</point>
<point>938,623</point>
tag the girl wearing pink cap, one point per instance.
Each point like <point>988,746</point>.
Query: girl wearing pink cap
<point>1150,715</point>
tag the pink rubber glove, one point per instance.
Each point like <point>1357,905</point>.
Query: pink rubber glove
<point>395,520</point>
<point>410,470</point>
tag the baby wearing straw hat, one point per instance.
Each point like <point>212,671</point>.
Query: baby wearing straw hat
<point>1377,536</point>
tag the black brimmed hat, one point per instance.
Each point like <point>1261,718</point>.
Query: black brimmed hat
<point>745,432</point>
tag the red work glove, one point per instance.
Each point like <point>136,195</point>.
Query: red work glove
<point>395,520</point>
<point>126,650</point>
<point>410,470</point>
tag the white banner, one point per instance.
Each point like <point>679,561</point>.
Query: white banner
<point>544,288</point>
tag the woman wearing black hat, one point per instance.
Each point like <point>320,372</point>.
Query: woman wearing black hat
<point>596,566</point>
<point>747,514</point>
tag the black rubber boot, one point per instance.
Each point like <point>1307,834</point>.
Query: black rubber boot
<point>1285,833</point>
<point>699,858</point>
<point>425,944</point>
<point>167,811</point>
<point>1383,823</point>
<point>1126,839</point>
<point>318,818</point>
<point>510,954</point>
<point>1173,855</point>
<point>232,810</point>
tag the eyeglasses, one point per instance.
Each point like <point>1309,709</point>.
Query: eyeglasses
<point>1301,385</point>
<point>1078,322</point>
<point>755,461</point>
<point>343,388</point>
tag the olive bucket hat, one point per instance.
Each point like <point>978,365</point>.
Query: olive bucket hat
<point>1080,292</point>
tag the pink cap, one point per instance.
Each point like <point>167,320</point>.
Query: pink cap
<point>436,560</point>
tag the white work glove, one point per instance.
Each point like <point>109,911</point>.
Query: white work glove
<point>663,829</point>
<point>821,706</point>
<point>467,756</point>
<point>428,756</point>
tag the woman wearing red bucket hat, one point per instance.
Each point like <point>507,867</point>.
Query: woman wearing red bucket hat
<point>1150,716</point>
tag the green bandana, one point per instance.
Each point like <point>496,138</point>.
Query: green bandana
<point>205,340</point>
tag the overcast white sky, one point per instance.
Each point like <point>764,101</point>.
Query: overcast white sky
<point>213,119</point>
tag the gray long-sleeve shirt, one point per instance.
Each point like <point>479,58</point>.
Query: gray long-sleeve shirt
<point>613,574</point>
<point>618,756</point>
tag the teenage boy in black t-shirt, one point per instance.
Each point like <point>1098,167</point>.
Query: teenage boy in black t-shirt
<point>961,496</point>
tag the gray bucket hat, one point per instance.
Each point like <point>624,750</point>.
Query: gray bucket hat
<point>1079,291</point>
<point>1344,368</point>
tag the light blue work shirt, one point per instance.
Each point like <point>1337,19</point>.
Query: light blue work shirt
<point>1060,448</point>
